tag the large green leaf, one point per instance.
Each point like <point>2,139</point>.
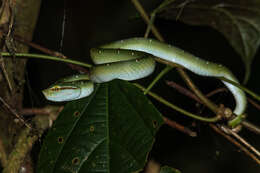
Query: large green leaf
<point>110,131</point>
<point>237,20</point>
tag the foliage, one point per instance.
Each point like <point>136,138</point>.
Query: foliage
<point>111,131</point>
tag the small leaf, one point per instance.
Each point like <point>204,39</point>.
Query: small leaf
<point>238,21</point>
<point>110,131</point>
<point>167,169</point>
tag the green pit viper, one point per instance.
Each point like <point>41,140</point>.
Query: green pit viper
<point>133,59</point>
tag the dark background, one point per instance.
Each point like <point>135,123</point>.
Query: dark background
<point>92,23</point>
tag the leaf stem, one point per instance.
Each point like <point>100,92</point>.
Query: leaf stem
<point>165,102</point>
<point>158,77</point>
<point>41,56</point>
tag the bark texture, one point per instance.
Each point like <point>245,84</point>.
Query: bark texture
<point>17,17</point>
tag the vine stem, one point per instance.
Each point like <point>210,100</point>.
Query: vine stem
<point>158,77</point>
<point>165,102</point>
<point>40,56</point>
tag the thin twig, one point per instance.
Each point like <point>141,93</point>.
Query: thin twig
<point>166,62</point>
<point>49,52</point>
<point>184,91</point>
<point>179,127</point>
<point>216,91</point>
<point>6,14</point>
<point>149,27</point>
<point>242,140</point>
<point>6,76</point>
<point>9,45</point>
<point>14,113</point>
<point>3,8</point>
<point>46,57</point>
<point>33,111</point>
<point>257,106</point>
<point>144,15</point>
<point>251,127</point>
<point>241,147</point>
<point>190,94</point>
<point>163,5</point>
<point>8,39</point>
<point>37,47</point>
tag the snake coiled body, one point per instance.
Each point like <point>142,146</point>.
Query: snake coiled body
<point>120,64</point>
<point>116,61</point>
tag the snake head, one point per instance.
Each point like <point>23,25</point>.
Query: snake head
<point>60,92</point>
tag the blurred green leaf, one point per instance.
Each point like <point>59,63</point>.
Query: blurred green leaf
<point>110,131</point>
<point>237,20</point>
<point>167,169</point>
